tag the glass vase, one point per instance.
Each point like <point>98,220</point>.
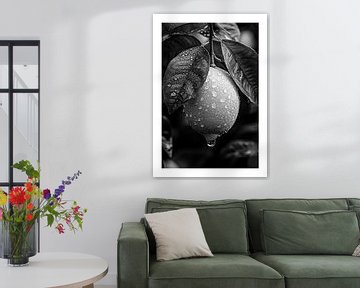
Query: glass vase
<point>18,242</point>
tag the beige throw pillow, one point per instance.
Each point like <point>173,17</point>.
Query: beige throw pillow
<point>357,251</point>
<point>178,234</point>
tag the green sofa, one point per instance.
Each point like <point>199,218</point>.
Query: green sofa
<point>234,230</point>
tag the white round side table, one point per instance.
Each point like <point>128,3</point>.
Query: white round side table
<point>50,270</point>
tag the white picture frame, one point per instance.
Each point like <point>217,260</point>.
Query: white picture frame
<point>158,169</point>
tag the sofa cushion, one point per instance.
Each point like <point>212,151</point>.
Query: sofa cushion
<point>356,209</point>
<point>222,270</point>
<point>178,234</point>
<point>254,216</point>
<point>354,205</point>
<point>313,271</point>
<point>353,201</point>
<point>297,232</point>
<point>223,221</point>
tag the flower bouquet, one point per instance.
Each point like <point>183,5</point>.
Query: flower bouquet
<point>21,208</point>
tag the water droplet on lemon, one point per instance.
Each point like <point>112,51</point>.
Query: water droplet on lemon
<point>211,143</point>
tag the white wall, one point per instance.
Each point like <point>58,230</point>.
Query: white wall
<point>96,105</point>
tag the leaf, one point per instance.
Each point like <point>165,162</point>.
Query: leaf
<point>185,74</point>
<point>79,221</point>
<point>50,219</point>
<point>229,31</point>
<point>52,211</point>
<point>26,166</point>
<point>239,149</point>
<point>239,154</point>
<point>222,31</point>
<point>167,139</point>
<point>182,28</point>
<point>242,64</point>
<point>174,45</point>
<point>168,27</point>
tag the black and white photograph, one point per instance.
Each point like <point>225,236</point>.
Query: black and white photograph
<point>213,95</point>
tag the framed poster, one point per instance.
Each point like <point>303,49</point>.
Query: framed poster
<point>210,95</point>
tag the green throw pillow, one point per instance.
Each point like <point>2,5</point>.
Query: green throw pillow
<point>356,209</point>
<point>299,232</point>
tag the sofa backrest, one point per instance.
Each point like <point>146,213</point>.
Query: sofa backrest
<point>223,221</point>
<point>256,205</point>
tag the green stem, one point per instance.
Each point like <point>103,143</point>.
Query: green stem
<point>211,41</point>
<point>18,237</point>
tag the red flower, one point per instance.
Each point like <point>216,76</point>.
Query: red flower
<point>29,187</point>
<point>17,196</point>
<point>68,219</point>
<point>27,196</point>
<point>29,217</point>
<point>75,209</point>
<point>29,206</point>
<point>60,228</point>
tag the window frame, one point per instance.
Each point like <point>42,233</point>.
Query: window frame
<point>10,91</point>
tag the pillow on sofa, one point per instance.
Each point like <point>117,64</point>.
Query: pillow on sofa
<point>224,222</point>
<point>299,232</point>
<point>225,229</point>
<point>356,209</point>
<point>356,252</point>
<point>178,234</point>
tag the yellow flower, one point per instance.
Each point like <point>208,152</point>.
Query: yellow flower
<point>3,198</point>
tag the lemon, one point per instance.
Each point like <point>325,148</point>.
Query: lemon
<point>215,107</point>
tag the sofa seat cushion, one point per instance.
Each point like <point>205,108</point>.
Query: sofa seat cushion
<point>313,271</point>
<point>222,270</point>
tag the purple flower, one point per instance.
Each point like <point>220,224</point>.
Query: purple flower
<point>46,194</point>
<point>64,183</point>
<point>58,192</point>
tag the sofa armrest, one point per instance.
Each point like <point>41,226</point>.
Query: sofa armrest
<point>133,256</point>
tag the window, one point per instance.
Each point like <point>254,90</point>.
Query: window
<point>19,108</point>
